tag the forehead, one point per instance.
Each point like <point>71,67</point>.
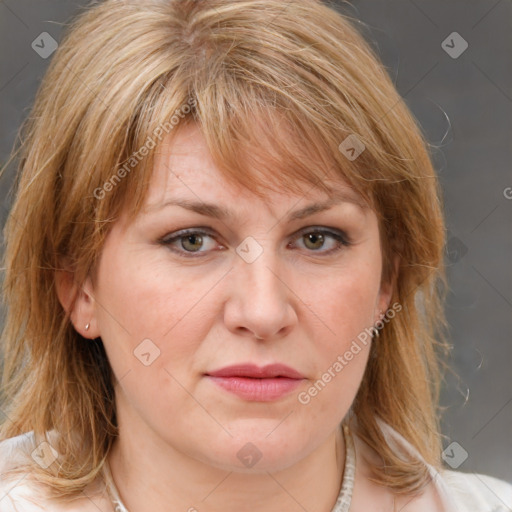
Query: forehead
<point>184,168</point>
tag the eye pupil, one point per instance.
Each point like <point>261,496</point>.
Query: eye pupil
<point>195,238</point>
<point>315,237</point>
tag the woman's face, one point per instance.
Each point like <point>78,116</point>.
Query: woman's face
<point>258,286</point>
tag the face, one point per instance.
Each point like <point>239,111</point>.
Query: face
<point>258,287</point>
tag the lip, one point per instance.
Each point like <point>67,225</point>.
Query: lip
<point>257,372</point>
<point>255,383</point>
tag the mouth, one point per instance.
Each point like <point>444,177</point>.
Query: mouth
<point>257,384</point>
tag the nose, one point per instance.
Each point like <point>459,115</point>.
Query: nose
<point>261,301</point>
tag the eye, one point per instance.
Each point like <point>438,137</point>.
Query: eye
<point>315,239</point>
<point>191,243</point>
<point>187,241</point>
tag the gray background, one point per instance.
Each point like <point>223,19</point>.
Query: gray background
<point>464,106</point>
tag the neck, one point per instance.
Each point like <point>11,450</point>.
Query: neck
<point>172,480</point>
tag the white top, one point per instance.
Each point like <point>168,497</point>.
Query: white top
<point>458,492</point>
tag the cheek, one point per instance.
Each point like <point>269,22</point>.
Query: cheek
<point>345,302</point>
<point>342,342</point>
<point>142,299</point>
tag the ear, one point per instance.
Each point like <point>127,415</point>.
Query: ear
<point>78,302</point>
<point>386,291</point>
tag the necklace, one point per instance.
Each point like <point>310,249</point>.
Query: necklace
<point>342,503</point>
<point>349,472</point>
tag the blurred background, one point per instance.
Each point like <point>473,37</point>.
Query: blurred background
<point>451,63</point>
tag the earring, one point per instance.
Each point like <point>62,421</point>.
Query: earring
<point>87,326</point>
<point>376,332</point>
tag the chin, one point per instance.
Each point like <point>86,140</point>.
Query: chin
<point>255,454</point>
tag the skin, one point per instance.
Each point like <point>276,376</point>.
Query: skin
<point>295,304</point>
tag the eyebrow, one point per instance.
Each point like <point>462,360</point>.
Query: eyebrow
<point>221,213</point>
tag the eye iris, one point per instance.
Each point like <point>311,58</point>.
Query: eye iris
<point>195,238</point>
<point>314,237</point>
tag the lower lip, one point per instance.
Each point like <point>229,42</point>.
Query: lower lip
<point>257,390</point>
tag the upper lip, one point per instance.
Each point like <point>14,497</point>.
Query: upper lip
<point>261,372</point>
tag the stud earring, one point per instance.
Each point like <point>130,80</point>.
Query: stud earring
<point>87,326</point>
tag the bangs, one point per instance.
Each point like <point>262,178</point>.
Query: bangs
<point>258,139</point>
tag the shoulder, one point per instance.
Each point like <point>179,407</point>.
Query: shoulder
<point>16,451</point>
<point>15,488</point>
<point>448,491</point>
<point>19,492</point>
<point>452,491</point>
<point>476,491</point>
<point>458,491</point>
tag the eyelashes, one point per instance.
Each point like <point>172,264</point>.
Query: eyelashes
<point>182,242</point>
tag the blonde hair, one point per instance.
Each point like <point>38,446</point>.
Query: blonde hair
<point>121,76</point>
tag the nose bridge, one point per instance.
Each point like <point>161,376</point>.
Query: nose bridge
<point>260,267</point>
<point>262,298</point>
